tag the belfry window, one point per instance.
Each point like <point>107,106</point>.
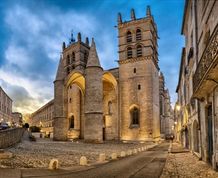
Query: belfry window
<point>129,37</point>
<point>135,116</point>
<point>129,52</point>
<point>68,70</point>
<point>68,59</point>
<point>138,35</point>
<point>139,51</point>
<point>71,122</point>
<point>73,57</point>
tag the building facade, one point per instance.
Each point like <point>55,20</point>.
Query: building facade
<point>116,104</point>
<point>166,111</point>
<point>43,117</point>
<point>17,119</point>
<point>198,82</point>
<point>5,107</point>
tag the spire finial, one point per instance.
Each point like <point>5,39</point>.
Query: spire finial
<point>79,37</point>
<point>93,42</point>
<point>93,60</point>
<point>63,46</point>
<point>119,18</point>
<point>87,41</point>
<point>132,14</point>
<point>148,11</point>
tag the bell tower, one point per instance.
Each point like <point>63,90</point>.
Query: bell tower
<point>138,77</point>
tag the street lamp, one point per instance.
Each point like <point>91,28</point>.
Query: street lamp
<point>178,107</point>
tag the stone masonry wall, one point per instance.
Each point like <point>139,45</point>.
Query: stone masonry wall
<point>10,137</point>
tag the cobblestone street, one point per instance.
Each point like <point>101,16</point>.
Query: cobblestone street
<point>38,154</point>
<point>186,165</point>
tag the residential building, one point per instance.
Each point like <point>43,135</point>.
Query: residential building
<point>5,107</point>
<point>197,88</point>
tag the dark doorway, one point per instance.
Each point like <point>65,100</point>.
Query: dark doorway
<point>210,133</point>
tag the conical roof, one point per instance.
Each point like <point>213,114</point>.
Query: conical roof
<point>60,71</point>
<point>93,60</point>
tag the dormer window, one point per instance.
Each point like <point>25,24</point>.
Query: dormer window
<point>129,37</point>
<point>138,35</point>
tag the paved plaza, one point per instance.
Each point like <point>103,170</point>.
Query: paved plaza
<point>38,154</point>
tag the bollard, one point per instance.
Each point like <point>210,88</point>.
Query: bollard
<point>113,156</point>
<point>122,154</point>
<point>53,164</point>
<point>135,151</point>
<point>102,157</point>
<point>129,152</point>
<point>83,161</point>
<point>139,149</point>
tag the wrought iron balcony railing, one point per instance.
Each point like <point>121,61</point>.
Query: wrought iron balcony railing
<point>209,57</point>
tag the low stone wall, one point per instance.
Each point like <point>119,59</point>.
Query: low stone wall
<point>10,137</point>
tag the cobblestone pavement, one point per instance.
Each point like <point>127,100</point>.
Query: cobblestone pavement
<point>38,154</point>
<point>186,165</point>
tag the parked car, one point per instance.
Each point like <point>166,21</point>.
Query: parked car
<point>4,126</point>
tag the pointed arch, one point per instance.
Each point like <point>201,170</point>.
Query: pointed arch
<point>134,115</point>
<point>68,59</point>
<point>128,36</point>
<point>73,57</point>
<point>139,50</point>
<point>129,52</point>
<point>138,34</point>
<point>77,78</point>
<point>107,76</point>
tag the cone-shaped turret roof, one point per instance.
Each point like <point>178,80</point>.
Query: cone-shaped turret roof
<point>60,71</point>
<point>93,60</point>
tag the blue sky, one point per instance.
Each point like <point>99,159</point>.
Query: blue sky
<point>32,32</point>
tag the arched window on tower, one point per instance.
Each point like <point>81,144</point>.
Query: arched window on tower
<point>135,116</point>
<point>85,56</point>
<point>68,59</point>
<point>139,51</point>
<point>138,35</point>
<point>109,107</point>
<point>68,70</point>
<point>73,57</point>
<point>129,37</point>
<point>129,52</point>
<point>71,124</point>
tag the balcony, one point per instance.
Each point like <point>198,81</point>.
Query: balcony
<point>206,74</point>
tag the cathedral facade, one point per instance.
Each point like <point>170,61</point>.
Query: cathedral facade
<point>122,103</point>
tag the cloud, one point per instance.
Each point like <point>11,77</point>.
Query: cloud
<point>33,51</point>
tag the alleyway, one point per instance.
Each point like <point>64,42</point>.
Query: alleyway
<point>184,164</point>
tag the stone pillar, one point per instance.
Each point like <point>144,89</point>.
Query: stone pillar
<point>93,98</point>
<point>60,122</point>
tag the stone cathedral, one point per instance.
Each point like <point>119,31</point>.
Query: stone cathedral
<point>122,103</point>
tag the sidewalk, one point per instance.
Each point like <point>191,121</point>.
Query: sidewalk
<point>183,164</point>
